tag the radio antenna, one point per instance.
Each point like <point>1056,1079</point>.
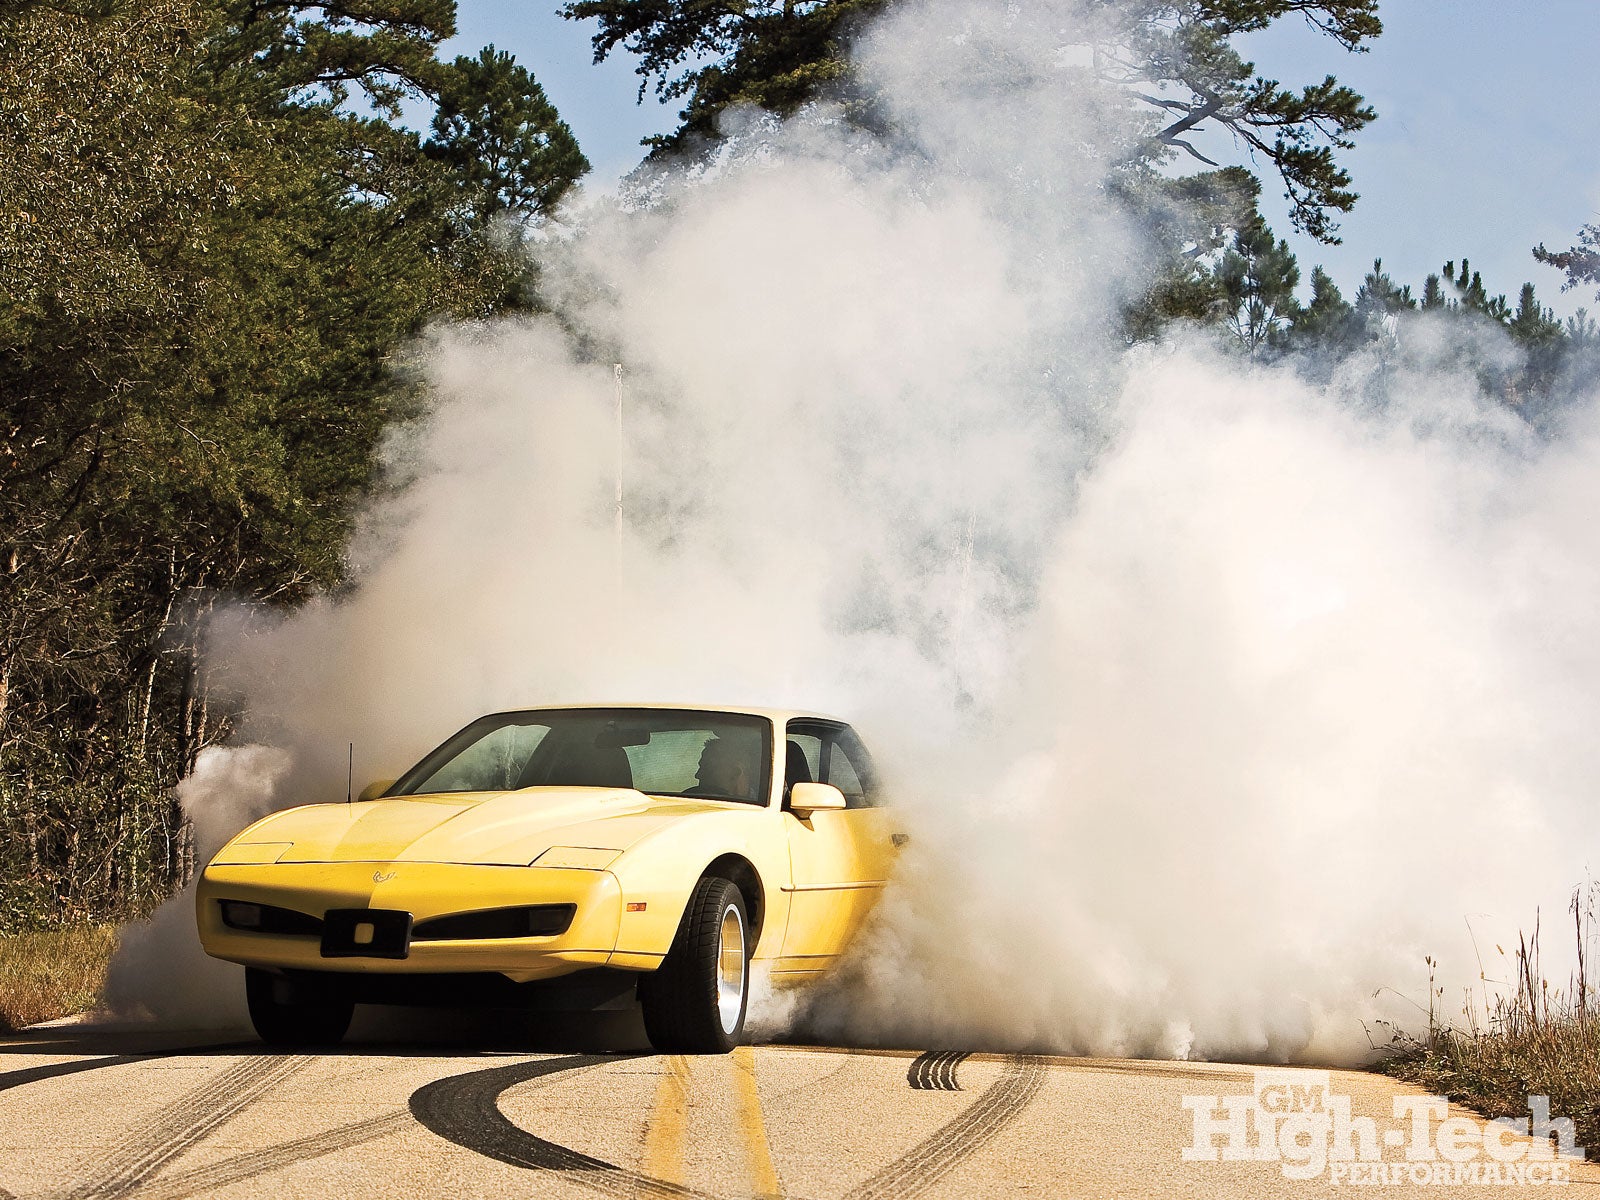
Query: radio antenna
<point>618,513</point>
<point>350,776</point>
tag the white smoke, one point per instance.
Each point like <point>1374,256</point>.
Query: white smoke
<point>1303,701</point>
<point>1213,700</point>
<point>160,971</point>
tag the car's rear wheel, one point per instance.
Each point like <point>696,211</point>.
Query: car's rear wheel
<point>296,1012</point>
<point>695,1002</point>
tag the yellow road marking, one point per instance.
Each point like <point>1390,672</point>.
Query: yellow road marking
<point>763,1176</point>
<point>667,1131</point>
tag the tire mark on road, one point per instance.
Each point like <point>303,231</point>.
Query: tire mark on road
<point>947,1071</point>
<point>915,1171</point>
<point>936,1071</point>
<point>242,1167</point>
<point>181,1124</point>
<point>465,1109</point>
<point>180,1185</point>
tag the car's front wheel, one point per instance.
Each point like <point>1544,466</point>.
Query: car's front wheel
<point>694,1003</point>
<point>295,1012</point>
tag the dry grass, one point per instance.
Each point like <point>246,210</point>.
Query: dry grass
<point>1529,1040</point>
<point>52,974</point>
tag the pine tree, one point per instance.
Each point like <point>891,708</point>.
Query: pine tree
<point>1258,277</point>
<point>1178,58</point>
<point>208,262</point>
<point>1533,324</point>
<point>1542,340</point>
<point>1581,261</point>
<point>1471,296</point>
<point>507,149</point>
<point>1329,324</point>
<point>1380,297</point>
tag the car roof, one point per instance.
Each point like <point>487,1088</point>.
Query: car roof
<point>778,715</point>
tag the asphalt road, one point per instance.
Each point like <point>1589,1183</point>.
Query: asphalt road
<point>450,1109</point>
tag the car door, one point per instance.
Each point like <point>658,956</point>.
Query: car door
<point>840,858</point>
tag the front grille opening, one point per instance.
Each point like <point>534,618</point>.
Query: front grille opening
<point>532,920</point>
<point>268,918</point>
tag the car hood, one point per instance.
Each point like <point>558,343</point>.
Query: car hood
<point>491,828</point>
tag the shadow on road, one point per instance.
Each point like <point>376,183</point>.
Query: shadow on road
<point>422,1032</point>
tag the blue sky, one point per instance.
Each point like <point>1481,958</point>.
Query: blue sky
<point>1484,145</point>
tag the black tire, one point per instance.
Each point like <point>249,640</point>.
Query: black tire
<point>683,1013</point>
<point>296,1012</point>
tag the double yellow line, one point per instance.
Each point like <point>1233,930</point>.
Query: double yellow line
<point>763,1176</point>
<point>667,1130</point>
<point>667,1133</point>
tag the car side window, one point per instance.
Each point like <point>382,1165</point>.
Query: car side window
<point>843,776</point>
<point>802,759</point>
<point>832,754</point>
<point>849,769</point>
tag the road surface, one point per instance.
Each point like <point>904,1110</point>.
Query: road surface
<point>451,1109</point>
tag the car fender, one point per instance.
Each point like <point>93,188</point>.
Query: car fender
<point>658,874</point>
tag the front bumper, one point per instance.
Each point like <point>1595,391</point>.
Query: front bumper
<point>425,890</point>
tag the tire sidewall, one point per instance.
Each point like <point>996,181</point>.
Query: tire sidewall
<point>680,998</point>
<point>733,898</point>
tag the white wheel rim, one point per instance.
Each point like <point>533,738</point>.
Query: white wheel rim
<point>730,969</point>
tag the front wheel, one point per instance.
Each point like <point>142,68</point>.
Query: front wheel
<point>293,1012</point>
<point>694,1003</point>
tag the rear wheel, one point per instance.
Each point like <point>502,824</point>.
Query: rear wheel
<point>694,1003</point>
<point>296,1012</point>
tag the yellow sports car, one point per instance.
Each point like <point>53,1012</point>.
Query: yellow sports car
<point>564,857</point>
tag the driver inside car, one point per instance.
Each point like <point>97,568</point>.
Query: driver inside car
<point>723,772</point>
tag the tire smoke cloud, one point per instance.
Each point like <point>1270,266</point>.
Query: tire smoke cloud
<point>1215,698</point>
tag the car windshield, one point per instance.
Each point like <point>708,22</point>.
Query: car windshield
<point>664,752</point>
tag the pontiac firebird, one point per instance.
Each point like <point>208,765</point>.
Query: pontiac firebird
<point>565,857</point>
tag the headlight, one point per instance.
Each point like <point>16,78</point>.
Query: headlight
<point>268,918</point>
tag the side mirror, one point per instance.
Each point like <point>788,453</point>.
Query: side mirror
<point>807,798</point>
<point>375,789</point>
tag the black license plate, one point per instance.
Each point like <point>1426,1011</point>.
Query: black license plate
<point>366,933</point>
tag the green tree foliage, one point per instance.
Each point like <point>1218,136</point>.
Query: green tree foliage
<point>1583,331</point>
<point>772,54</point>
<point>1554,359</point>
<point>1191,218</point>
<point>1470,294</point>
<point>1258,277</point>
<point>1379,296</point>
<point>308,50</point>
<point>207,265</point>
<point>1581,261</point>
<point>1433,296</point>
<point>1542,339</point>
<point>1184,63</point>
<point>1329,325</point>
<point>1176,58</point>
<point>507,149</point>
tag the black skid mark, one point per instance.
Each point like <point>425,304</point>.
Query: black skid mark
<point>465,1109</point>
<point>935,1071</point>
